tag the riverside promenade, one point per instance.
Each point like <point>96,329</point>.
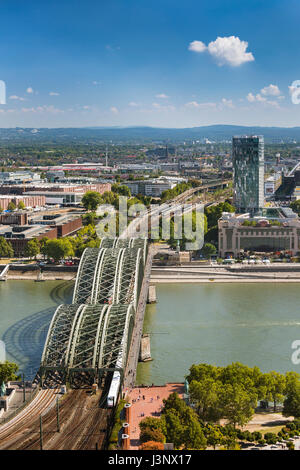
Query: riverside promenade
<point>148,401</point>
<point>193,273</point>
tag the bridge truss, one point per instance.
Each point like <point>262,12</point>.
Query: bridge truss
<point>92,335</point>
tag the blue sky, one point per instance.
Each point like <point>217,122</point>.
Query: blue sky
<point>161,63</point>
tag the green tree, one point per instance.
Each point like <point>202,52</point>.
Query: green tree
<point>208,250</point>
<point>291,404</point>
<point>32,248</point>
<point>21,205</point>
<point>8,371</point>
<point>6,250</point>
<point>59,248</point>
<point>205,395</point>
<point>192,435</point>
<point>11,206</point>
<point>151,435</point>
<point>121,189</point>
<point>237,404</point>
<point>276,385</point>
<point>91,200</point>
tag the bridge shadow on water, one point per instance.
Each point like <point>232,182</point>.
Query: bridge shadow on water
<point>24,340</point>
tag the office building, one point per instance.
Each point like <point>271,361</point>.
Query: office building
<point>248,168</point>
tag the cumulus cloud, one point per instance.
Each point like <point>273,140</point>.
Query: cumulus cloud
<point>258,98</point>
<point>29,90</point>
<point>53,93</point>
<point>133,104</point>
<point>114,110</point>
<point>271,90</point>
<point>197,46</point>
<point>227,103</point>
<point>227,50</point>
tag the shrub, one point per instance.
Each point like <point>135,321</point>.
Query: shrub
<point>151,435</point>
<point>152,445</point>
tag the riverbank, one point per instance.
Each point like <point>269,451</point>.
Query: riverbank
<point>46,276</point>
<point>206,274</point>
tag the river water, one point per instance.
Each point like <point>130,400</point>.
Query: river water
<point>191,323</point>
<point>26,309</point>
<point>219,324</point>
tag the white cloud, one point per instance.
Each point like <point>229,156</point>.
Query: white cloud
<point>271,90</point>
<point>162,107</point>
<point>134,104</point>
<point>195,104</point>
<point>197,46</point>
<point>15,97</point>
<point>29,90</point>
<point>114,110</point>
<point>262,99</point>
<point>96,83</point>
<point>227,50</point>
<point>53,93</point>
<point>227,103</point>
<point>42,109</point>
<point>250,97</point>
<point>162,96</point>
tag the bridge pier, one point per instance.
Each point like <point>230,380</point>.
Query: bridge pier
<point>145,351</point>
<point>151,295</point>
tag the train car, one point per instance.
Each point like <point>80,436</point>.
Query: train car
<point>113,393</point>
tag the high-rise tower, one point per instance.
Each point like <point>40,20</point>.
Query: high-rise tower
<point>248,168</point>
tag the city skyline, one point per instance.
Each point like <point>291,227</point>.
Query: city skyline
<point>168,65</point>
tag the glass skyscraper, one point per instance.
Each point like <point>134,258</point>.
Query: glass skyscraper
<point>248,169</point>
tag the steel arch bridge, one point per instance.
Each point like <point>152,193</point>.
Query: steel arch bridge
<point>92,336</point>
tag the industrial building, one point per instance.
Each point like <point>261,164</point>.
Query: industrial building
<point>25,228</point>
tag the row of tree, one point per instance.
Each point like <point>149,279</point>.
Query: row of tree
<point>228,393</point>
<point>232,392</point>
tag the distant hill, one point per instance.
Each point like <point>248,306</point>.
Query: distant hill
<point>216,133</point>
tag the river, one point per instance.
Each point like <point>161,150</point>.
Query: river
<point>191,323</point>
<point>219,324</point>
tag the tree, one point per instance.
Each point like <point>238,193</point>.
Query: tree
<point>237,404</point>
<point>11,206</point>
<point>295,206</point>
<point>8,371</point>
<point>291,404</point>
<point>6,250</point>
<point>192,435</point>
<point>123,190</point>
<point>173,428</point>
<point>91,200</point>
<point>151,445</point>
<point>59,248</point>
<point>152,435</point>
<point>276,385</point>
<point>208,250</point>
<point>32,248</point>
<point>151,423</point>
<point>205,396</point>
<point>21,205</point>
